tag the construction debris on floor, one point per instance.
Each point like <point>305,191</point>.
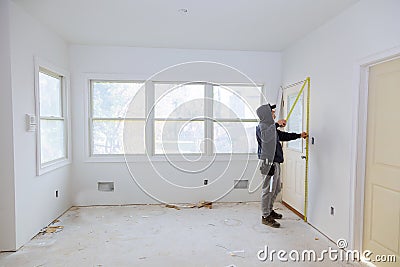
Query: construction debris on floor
<point>229,234</point>
<point>51,228</point>
<point>201,204</point>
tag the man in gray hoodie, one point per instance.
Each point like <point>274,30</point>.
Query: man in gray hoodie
<point>271,153</point>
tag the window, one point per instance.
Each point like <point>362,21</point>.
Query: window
<point>52,113</point>
<point>117,108</point>
<point>295,124</point>
<point>179,118</point>
<point>235,118</point>
<point>183,118</point>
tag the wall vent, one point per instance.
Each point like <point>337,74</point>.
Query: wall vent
<point>105,186</point>
<point>240,184</point>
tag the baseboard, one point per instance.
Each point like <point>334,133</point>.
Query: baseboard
<point>293,210</point>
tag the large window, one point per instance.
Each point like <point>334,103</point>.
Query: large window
<point>176,118</point>
<point>51,98</point>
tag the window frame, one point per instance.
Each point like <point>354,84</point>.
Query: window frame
<point>42,66</point>
<point>91,118</point>
<point>150,125</point>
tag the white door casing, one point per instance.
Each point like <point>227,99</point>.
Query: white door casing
<point>382,171</point>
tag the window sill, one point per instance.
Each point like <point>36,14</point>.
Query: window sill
<point>52,166</point>
<point>163,158</point>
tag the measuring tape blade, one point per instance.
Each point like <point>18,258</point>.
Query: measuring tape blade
<point>307,150</point>
<point>297,99</point>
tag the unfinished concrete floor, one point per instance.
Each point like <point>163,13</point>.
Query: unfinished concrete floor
<point>229,234</point>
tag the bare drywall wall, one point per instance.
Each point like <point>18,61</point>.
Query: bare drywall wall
<point>7,188</point>
<point>35,198</point>
<point>329,56</point>
<point>141,64</point>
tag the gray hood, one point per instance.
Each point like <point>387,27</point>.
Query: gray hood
<point>265,115</point>
<point>268,133</point>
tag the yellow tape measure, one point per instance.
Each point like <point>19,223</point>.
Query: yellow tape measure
<point>306,82</point>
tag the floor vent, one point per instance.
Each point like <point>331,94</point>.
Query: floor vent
<point>240,184</point>
<point>105,186</point>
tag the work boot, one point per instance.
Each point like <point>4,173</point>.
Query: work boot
<point>270,221</point>
<point>275,215</point>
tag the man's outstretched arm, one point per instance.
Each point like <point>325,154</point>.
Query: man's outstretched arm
<point>285,136</point>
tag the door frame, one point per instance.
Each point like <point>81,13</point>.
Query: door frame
<point>359,137</point>
<point>285,110</point>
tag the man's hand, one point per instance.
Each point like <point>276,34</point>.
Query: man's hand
<point>282,123</point>
<point>304,135</point>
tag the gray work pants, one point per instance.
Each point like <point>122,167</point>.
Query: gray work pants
<point>267,197</point>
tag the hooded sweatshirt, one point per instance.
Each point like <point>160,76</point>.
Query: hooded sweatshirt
<point>278,135</point>
<point>266,133</point>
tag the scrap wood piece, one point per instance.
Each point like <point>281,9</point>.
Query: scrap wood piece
<point>191,206</point>
<point>206,204</point>
<point>201,204</point>
<point>172,206</point>
<point>52,229</point>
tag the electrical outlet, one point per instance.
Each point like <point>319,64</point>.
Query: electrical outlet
<point>332,211</point>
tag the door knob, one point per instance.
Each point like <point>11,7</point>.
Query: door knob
<point>303,157</point>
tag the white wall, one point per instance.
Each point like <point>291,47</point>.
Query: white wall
<point>7,188</point>
<point>36,205</point>
<point>141,63</point>
<point>329,56</point>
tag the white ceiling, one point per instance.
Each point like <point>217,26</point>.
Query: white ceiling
<point>261,25</point>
